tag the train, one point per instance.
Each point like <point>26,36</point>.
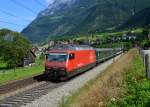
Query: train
<point>65,61</point>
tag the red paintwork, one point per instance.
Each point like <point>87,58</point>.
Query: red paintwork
<point>82,59</point>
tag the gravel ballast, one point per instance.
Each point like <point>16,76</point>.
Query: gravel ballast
<point>54,98</point>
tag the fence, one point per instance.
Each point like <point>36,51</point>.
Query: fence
<point>146,60</point>
<point>147,65</point>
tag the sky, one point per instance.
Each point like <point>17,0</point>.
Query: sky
<point>17,14</point>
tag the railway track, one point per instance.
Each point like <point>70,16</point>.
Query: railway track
<point>18,84</point>
<point>29,95</point>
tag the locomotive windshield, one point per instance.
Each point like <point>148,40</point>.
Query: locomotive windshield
<point>57,57</point>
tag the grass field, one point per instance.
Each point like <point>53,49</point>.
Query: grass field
<point>123,84</point>
<point>8,75</point>
<point>137,87</point>
<point>2,65</point>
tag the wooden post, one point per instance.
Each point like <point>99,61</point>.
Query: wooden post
<point>147,65</point>
<point>113,56</point>
<point>143,56</point>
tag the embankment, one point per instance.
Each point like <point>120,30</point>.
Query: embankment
<point>122,84</point>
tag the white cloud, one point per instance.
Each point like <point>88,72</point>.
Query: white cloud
<point>49,1</point>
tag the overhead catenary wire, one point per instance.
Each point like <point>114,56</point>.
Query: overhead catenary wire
<point>10,23</point>
<point>20,4</point>
<point>12,15</point>
<point>23,6</point>
<point>7,13</point>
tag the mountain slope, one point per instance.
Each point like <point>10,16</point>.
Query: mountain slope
<point>140,19</point>
<point>70,17</point>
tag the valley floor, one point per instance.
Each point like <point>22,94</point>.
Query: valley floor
<point>9,75</point>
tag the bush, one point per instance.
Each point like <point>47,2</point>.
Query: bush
<point>138,88</point>
<point>145,44</point>
<point>13,47</point>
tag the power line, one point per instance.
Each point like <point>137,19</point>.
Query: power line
<point>10,23</point>
<point>7,13</point>
<point>41,4</point>
<point>23,6</point>
<point>12,15</point>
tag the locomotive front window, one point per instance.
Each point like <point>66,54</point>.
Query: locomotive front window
<point>57,57</point>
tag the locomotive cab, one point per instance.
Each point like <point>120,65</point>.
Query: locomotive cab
<point>63,63</point>
<point>55,65</point>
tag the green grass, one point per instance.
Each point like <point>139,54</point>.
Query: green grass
<point>138,88</point>
<point>21,73</point>
<point>3,65</point>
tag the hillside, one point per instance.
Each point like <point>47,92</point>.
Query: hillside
<point>71,17</point>
<point>140,19</point>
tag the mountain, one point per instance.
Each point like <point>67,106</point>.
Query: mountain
<point>71,17</point>
<point>140,19</point>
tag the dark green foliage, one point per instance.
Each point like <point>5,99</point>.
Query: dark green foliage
<point>128,45</point>
<point>145,44</point>
<point>83,17</point>
<point>138,87</point>
<point>13,47</point>
<point>140,19</point>
<point>143,38</point>
<point>145,33</point>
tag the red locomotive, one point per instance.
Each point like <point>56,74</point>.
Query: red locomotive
<point>65,61</point>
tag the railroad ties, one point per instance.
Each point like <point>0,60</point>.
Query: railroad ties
<point>29,95</point>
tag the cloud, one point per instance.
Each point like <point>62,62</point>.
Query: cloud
<point>49,1</point>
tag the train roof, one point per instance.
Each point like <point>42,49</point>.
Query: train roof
<point>72,47</point>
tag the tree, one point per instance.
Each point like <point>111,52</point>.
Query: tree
<point>13,47</point>
<point>145,33</point>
